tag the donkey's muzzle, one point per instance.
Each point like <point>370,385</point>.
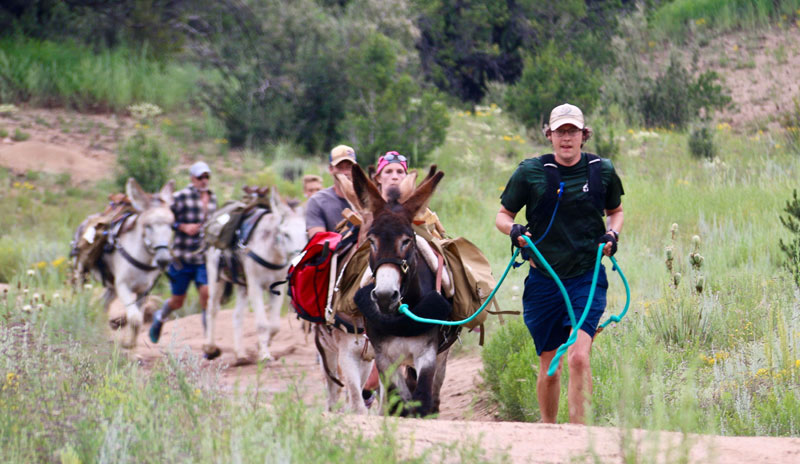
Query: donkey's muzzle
<point>163,257</point>
<point>385,298</point>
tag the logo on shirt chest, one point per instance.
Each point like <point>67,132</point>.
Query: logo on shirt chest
<point>586,187</point>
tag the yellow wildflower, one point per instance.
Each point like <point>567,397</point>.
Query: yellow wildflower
<point>507,138</point>
<point>797,363</point>
<point>735,47</point>
<point>41,264</point>
<point>762,372</point>
<point>58,261</point>
<point>17,184</point>
<point>651,44</point>
<point>630,131</point>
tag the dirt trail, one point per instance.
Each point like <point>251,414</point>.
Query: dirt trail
<point>464,415</point>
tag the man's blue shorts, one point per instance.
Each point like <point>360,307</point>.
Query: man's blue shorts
<point>545,312</point>
<point>181,278</point>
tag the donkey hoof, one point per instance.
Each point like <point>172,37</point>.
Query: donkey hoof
<point>211,352</point>
<point>242,361</point>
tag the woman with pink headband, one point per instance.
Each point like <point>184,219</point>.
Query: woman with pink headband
<point>392,169</point>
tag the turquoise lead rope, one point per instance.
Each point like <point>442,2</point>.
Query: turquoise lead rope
<point>573,336</point>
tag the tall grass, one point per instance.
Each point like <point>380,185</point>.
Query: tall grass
<point>676,19</point>
<point>46,73</point>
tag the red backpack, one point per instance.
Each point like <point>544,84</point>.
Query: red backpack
<point>309,277</point>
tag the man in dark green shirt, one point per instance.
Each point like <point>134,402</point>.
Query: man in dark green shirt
<point>591,189</point>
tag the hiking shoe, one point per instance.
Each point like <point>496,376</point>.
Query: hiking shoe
<point>369,397</point>
<point>155,327</point>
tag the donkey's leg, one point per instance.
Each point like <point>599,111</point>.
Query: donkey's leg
<point>238,323</point>
<point>215,291</point>
<point>265,327</point>
<point>328,362</point>
<point>438,379</point>
<point>133,314</point>
<point>397,383</point>
<point>350,348</point>
<point>425,364</point>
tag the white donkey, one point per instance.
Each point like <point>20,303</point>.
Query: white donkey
<point>140,250</point>
<point>276,239</point>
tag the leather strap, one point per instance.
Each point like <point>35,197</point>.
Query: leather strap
<point>439,268</point>
<point>265,263</point>
<point>135,262</point>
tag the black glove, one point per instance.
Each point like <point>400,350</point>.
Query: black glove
<point>517,231</point>
<point>609,237</point>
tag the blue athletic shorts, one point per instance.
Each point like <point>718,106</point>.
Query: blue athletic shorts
<point>545,312</point>
<point>181,278</point>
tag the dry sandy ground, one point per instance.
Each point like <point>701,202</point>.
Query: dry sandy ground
<point>464,415</point>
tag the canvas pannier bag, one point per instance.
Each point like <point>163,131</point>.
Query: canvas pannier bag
<point>220,230</point>
<point>92,235</point>
<point>309,276</point>
<point>472,279</point>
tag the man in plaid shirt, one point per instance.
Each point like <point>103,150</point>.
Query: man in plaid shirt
<point>191,206</point>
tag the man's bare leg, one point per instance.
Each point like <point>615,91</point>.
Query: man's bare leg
<point>548,388</point>
<point>579,390</point>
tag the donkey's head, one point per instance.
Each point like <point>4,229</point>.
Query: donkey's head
<point>285,229</point>
<point>155,219</point>
<point>393,254</point>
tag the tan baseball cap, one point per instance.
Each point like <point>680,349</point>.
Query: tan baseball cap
<point>566,114</point>
<point>342,153</point>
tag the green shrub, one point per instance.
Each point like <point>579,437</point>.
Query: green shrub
<point>20,136</point>
<point>143,158</point>
<point>606,148</point>
<point>791,125</point>
<point>549,79</point>
<point>701,143</point>
<point>791,248</point>
<point>12,259</point>
<point>3,133</point>
<point>674,99</point>
<point>510,371</point>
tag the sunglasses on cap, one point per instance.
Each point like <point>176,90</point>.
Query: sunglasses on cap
<point>204,177</point>
<point>393,156</point>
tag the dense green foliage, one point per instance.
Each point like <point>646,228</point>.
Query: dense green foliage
<point>387,111</point>
<point>551,78</point>
<point>149,24</point>
<point>465,45</point>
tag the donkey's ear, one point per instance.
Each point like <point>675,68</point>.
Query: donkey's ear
<point>139,199</point>
<point>407,185</point>
<point>166,192</point>
<point>367,193</point>
<point>274,199</point>
<point>346,186</point>
<point>418,200</point>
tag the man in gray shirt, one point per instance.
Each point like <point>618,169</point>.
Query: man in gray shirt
<point>324,208</point>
